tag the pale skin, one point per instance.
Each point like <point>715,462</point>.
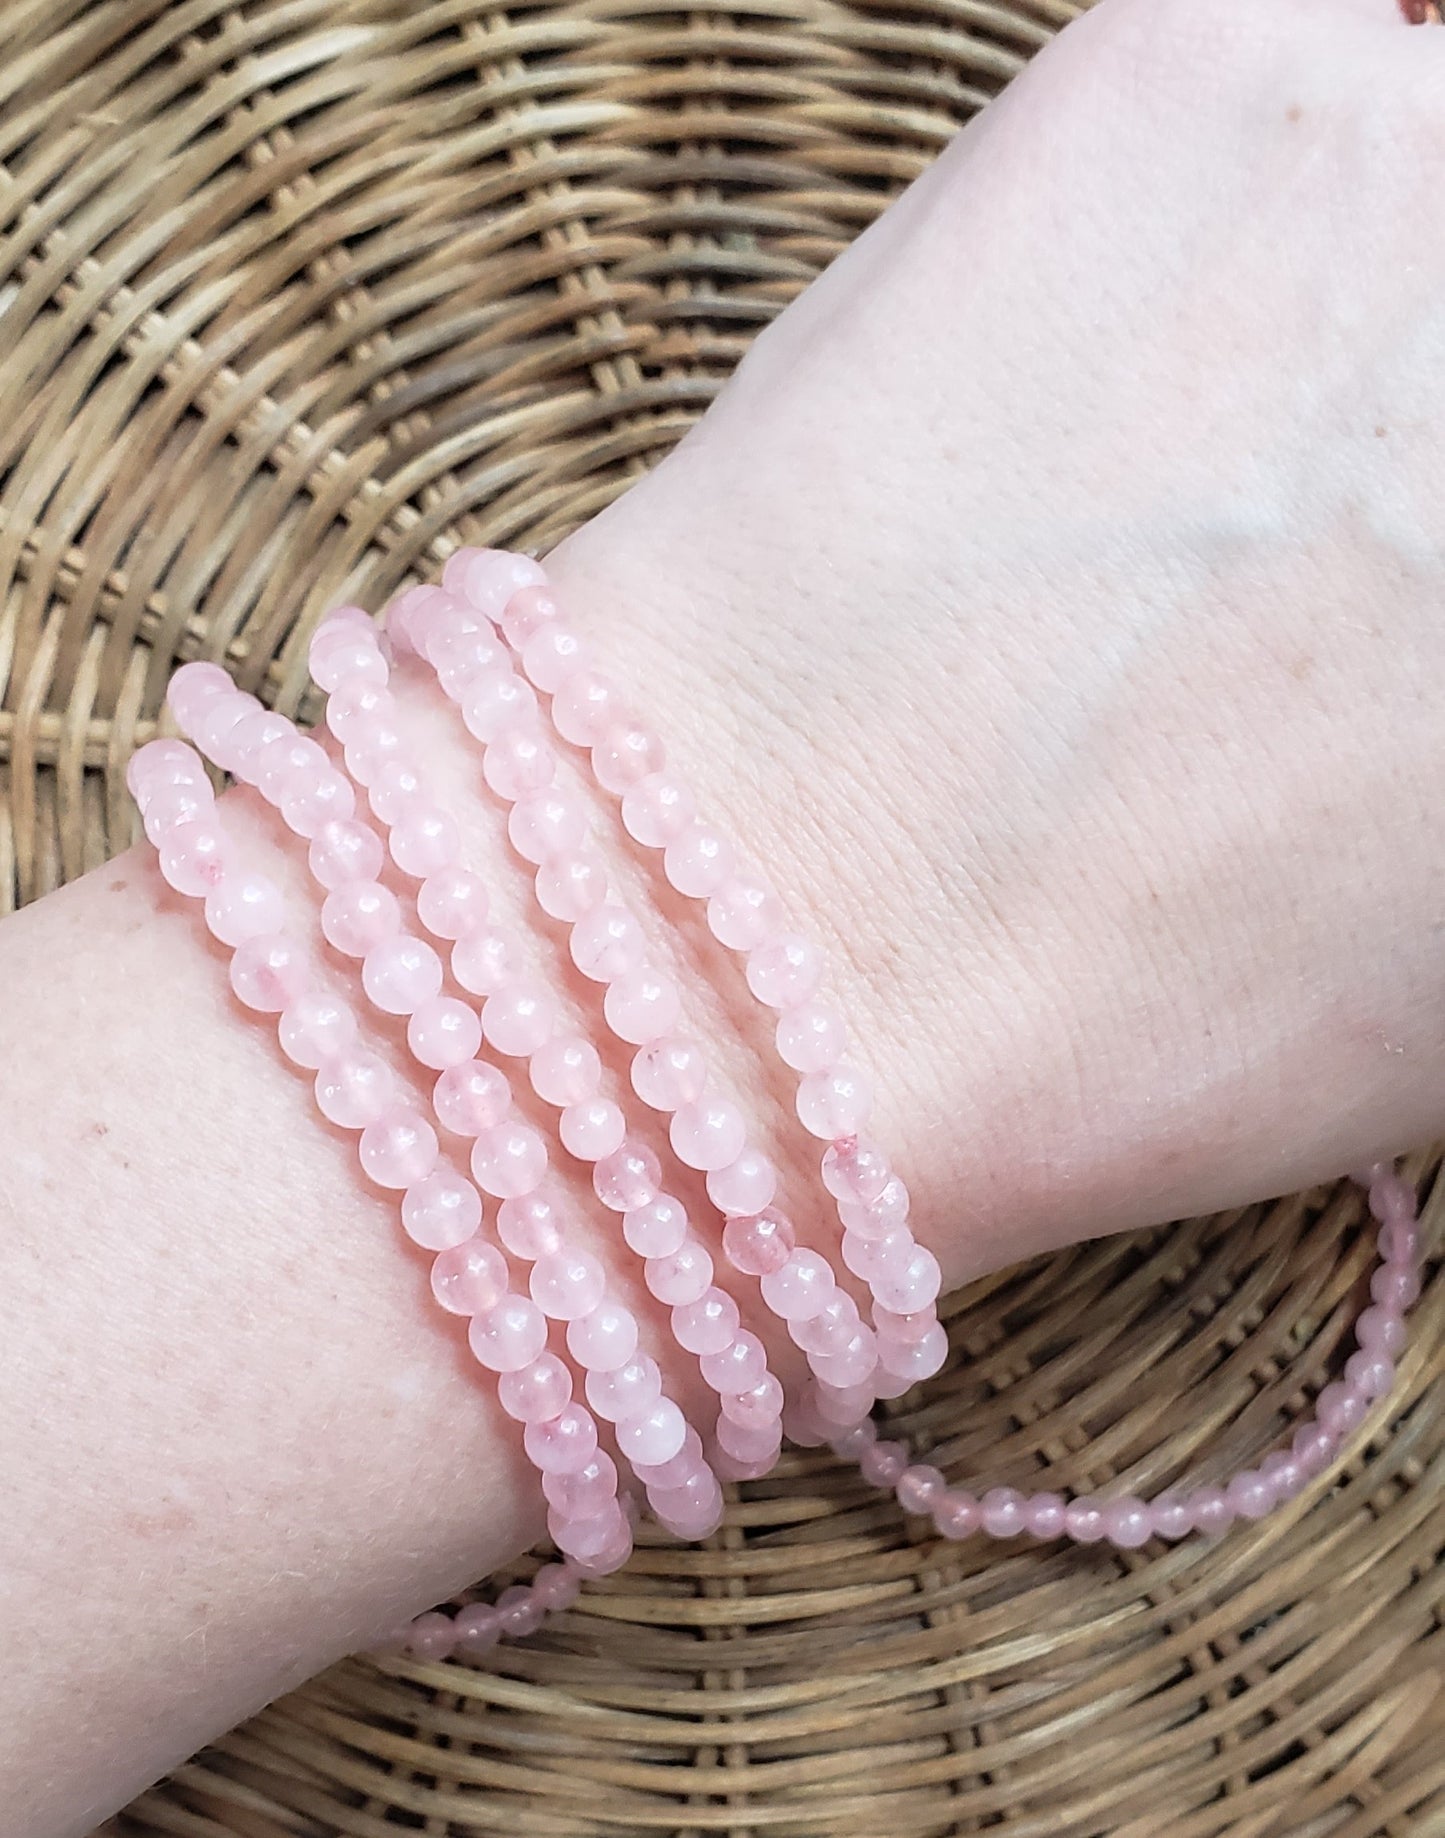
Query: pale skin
<point>1054,600</point>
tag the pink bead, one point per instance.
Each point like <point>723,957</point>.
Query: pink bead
<point>641,1005</point>
<point>957,1515</point>
<point>546,824</point>
<point>253,736</point>
<point>1002,1510</point>
<point>903,1330</point>
<point>568,1284</point>
<point>595,1547</point>
<point>916,1360</point>
<point>495,702</point>
<point>555,1588</point>
<point>476,1628</point>
<point>1250,1495</point>
<point>163,764</point>
<point>604,1338</point>
<point>269,973</point>
<point>1128,1522</point>
<point>588,1492</point>
<point>459,658</point>
<point>400,1150</point>
<point>1281,1468</point>
<point>431,1638</point>
<point>358,705</point>
<point>401,974</point>
<point>592,1130</point>
<point>485,961</point>
<point>452,902</point>
<point>315,1027</point>
<point>570,885</point>
<point>738,1366</point>
<point>509,1335</point>
<point>750,1441</point>
<point>759,1403</point>
<point>168,805</point>
<point>656,810</point>
<point>518,1018</point>
<point>1381,1330</point>
<point>287,767</point>
<point>471,1098</point>
<point>920,1488</point>
<point>508,1160</point>
<point>606,943</point>
<point>584,707</point>
<point>843,1405</point>
<point>325,799</point>
<point>337,657</point>
<point>243,906</point>
<point>356,917</point>
<point>444,1032</point>
<point>518,1614</point>
<point>655,1436</point>
<point>760,1245</point>
<point>216,730</point>
<point>698,861</point>
<point>625,754</point>
<point>370,749</point>
<point>798,1288</point>
<point>425,842</point>
<point>1173,1517</point>
<point>853,1367</point>
<point>344,850</point>
<point>1371,1374</point>
<point>1400,1242</point>
<point>682,1277</point>
<point>565,1070</point>
<point>1084,1520</point>
<point>470,1278</point>
<point>1395,1288</point>
<point>708,1133</point>
<point>520,759</point>
<point>882,1464</point>
<point>551,655</point>
<point>834,1104</point>
<point>1392,1199</point>
<point>487,578</point>
<point>831,1328</point>
<point>564,1443</point>
<point>858,1176</point>
<point>657,1228</point>
<point>627,1178</point>
<point>669,1074</point>
<point>744,912</point>
<point>441,1210</point>
<point>525,613</point>
<point>192,856</point>
<point>881,1217</point>
<point>693,1511</point>
<point>912,1286</point>
<point>397,792</point>
<point>530,1226</point>
<point>1045,1515</point>
<point>746,1185</point>
<point>355,1089</point>
<point>193,689</point>
<point>1211,1511</point>
<point>707,1325</point>
<point>1314,1448</point>
<point>784,971</point>
<point>628,1390</point>
<point>1341,1409</point>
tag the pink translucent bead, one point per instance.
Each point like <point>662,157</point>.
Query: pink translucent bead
<point>485,961</point>
<point>811,1037</point>
<point>858,1176</point>
<point>564,1443</point>
<point>487,578</point>
<point>682,1277</point>
<point>590,1491</point>
<point>657,1228</point>
<point>530,1226</point>
<point>444,1032</point>
<point>669,1074</point>
<point>738,1366</point>
<point>518,1613</point>
<point>798,1288</point>
<point>1045,1515</point>
<point>471,1098</point>
<point>1395,1288</point>
<point>356,917</point>
<point>1313,1447</point>
<point>168,805</point>
<point>193,689</point>
<point>354,1089</point>
<point>1400,1242</point>
<point>470,1278</point>
<point>286,767</point>
<point>496,702</point>
<point>957,1515</point>
<point>911,1285</point>
<point>551,655</point>
<point>853,1368</point>
<point>693,1511</point>
<point>698,861</point>
<point>1085,1520</point>
<point>525,613</point>
<point>509,1335</point>
<point>914,1361</point>
<point>192,856</point>
<point>834,1104</point>
<point>399,1150</point>
<point>653,1437</point>
<point>1371,1374</point>
<point>357,705</point>
<point>572,884</point>
<point>783,971</point>
<point>460,657</point>
<point>1391,1198</point>
<point>920,1488</point>
<point>425,842</point>
<point>1212,1511</point>
<point>338,657</point>
<point>882,1464</point>
<point>243,906</point>
<point>604,1338</point>
<point>881,1217</point>
<point>518,1017</point>
<point>607,942</point>
<point>759,1403</point>
<point>592,1130</point>
<point>760,1245</point>
<point>708,1133</point>
<point>163,764</point>
<point>598,1546</point>
<point>1341,1409</point>
<point>441,1210</point>
<point>584,707</point>
<point>1173,1516</point>
<point>707,1325</point>
<point>1128,1522</point>
<point>343,850</point>
<point>565,1070</point>
<point>315,1027</point>
<point>656,810</point>
<point>567,1284</point>
<point>749,1441</point>
<point>1250,1495</point>
<point>401,974</point>
<point>538,1392</point>
<point>520,759</point>
<point>744,912</point>
<point>477,1629</point>
<point>451,902</point>
<point>252,736</point>
<point>370,749</point>
<point>397,792</point>
<point>843,1405</point>
<point>1281,1468</point>
<point>555,1587</point>
<point>628,1390</point>
<point>641,1005</point>
<point>625,754</point>
<point>627,1178</point>
<point>307,808</point>
<point>1381,1330</point>
<point>268,973</point>
<point>903,1330</point>
<point>431,1637</point>
<point>831,1328</point>
<point>545,824</point>
<point>1002,1511</point>
<point>215,732</point>
<point>508,1160</point>
<point>746,1185</point>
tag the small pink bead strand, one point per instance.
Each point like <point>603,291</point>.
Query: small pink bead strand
<point>783,968</point>
<point>707,1131</point>
<point>509,1158</point>
<point>318,1032</point>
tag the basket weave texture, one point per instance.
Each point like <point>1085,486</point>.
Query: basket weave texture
<point>294,295</point>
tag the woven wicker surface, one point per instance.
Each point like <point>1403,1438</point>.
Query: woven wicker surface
<point>295,294</point>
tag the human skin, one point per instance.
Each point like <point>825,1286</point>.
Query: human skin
<point>1052,599</point>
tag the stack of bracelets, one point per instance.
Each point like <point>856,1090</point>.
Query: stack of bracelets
<point>540,1311</point>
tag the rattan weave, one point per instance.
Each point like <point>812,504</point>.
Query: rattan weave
<point>295,293</point>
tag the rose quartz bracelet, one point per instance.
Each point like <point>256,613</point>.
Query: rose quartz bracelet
<point>495,607</point>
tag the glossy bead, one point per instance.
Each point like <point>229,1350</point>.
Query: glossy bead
<point>1084,1520</point>
<point>509,1335</point>
<point>1002,1510</point>
<point>834,1104</point>
<point>882,1464</point>
<point>669,1073</point>
<point>1212,1511</point>
<point>192,856</point>
<point>564,1443</point>
<point>485,961</point>
<point>707,1325</point>
<point>759,1403</point>
<point>957,1515</point>
<point>920,1488</point>
<point>745,1185</point>
<point>913,1285</point>
<point>518,1018</point>
<point>1341,1409</point>
<point>738,1366</point>
<point>551,655</point>
<point>1045,1515</point>
<point>171,804</point>
<point>357,705</point>
<point>546,824</point>
<point>399,1149</point>
<point>572,884</point>
<point>843,1404</point>
<point>858,1176</point>
<point>693,1511</point>
<point>508,1160</point>
<point>518,1614</point>
<point>315,1027</point>
<point>1281,1468</point>
<point>162,765</point>
<point>591,1490</point>
<point>487,578</point>
<point>477,1629</point>
<point>286,767</point>
<point>346,659</point>
<point>1395,1288</point>
<point>655,1435</point>
<point>215,732</point>
<point>471,1097</point>
<point>592,1129</point>
<point>253,736</point>
<point>268,973</point>
<point>656,809</point>
<point>307,808</point>
<point>625,754</point>
<point>357,916</point>
<point>760,1244</point>
<point>783,971</point>
<point>396,792</point>
<point>698,861</point>
<point>1400,1242</point>
<point>707,1133</point>
<point>531,1226</point>
<point>354,1089</point>
<point>683,1276</point>
<point>444,1032</point>
<point>1391,1198</point>
<point>604,1338</point>
<point>1371,1374</point>
<point>641,1005</point>
<point>344,850</point>
<point>495,702</point>
<point>628,1390</point>
<point>916,1360</point>
<point>1128,1522</point>
<point>567,1284</point>
<point>469,1278</point>
<point>584,707</point>
<point>606,943</point>
<point>520,759</point>
<point>1250,1494</point>
<point>555,1587</point>
<point>749,1441</point>
<point>441,1210</point>
<point>526,612</point>
<point>628,1178</point>
<point>430,1637</point>
<point>370,749</point>
<point>1173,1517</point>
<point>1381,1330</point>
<point>243,906</point>
<point>677,1469</point>
<point>565,1070</point>
<point>798,1288</point>
<point>744,912</point>
<point>1314,1448</point>
<point>657,1228</point>
<point>425,842</point>
<point>401,974</point>
<point>193,689</point>
<point>452,902</point>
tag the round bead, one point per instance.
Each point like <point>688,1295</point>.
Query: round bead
<point>546,824</point>
<point>911,1286</point>
<point>746,1185</point>
<point>604,1338</point>
<point>354,1089</point>
<point>1250,1494</point>
<point>844,1405</point>
<point>707,1133</point>
<point>584,707</point>
<point>592,1130</point>
<point>1045,1515</point>
<point>193,689</point>
<point>1381,1330</point>
<point>744,912</point>
<point>1212,1512</point>
<point>669,1074</point>
<point>641,1005</point>
<point>357,916</point>
<point>496,701</point>
<point>525,613</point>
<point>800,1287</point>
<point>698,861</point>
<point>655,1436</point>
<point>858,1176</point>
<point>625,754</point>
<point>915,1360</point>
<point>401,974</point>
<point>309,807</point>
<point>425,842</point>
<point>370,750</point>
<point>707,1325</point>
<point>628,1390</point>
<point>567,1284</point>
<point>683,1276</point>
<point>315,1027</point>
<point>160,765</point>
<point>509,1335</point>
<point>570,885</point>
<point>1084,1520</point>
<point>1002,1510</point>
<point>957,1515</point>
<point>1371,1374</point>
<point>357,705</point>
<point>606,943</point>
<point>518,1614</point>
<point>1281,1468</point>
<point>738,1366</point>
<point>627,1178</point>
<point>337,658</point>
<point>693,1511</point>
<point>268,973</point>
<point>344,850</point>
<point>485,961</point>
<point>656,810</point>
<point>1313,1447</point>
<point>518,1018</point>
<point>508,1160</point>
<point>591,1490</point>
<point>530,1226</point>
<point>882,1464</point>
<point>441,1210</point>
<point>477,1629</point>
<point>555,1587</point>
<point>564,1443</point>
<point>252,737</point>
<point>920,1488</point>
<point>834,1104</point>
<point>1391,1198</point>
<point>396,792</point>
<point>471,1097</point>
<point>430,1637</point>
<point>750,1441</point>
<point>1400,1242</point>
<point>759,1245</point>
<point>757,1404</point>
<point>399,1150</point>
<point>444,1032</point>
<point>168,805</point>
<point>215,731</point>
<point>451,902</point>
<point>784,971</point>
<point>1395,1288</point>
<point>1173,1517</point>
<point>551,655</point>
<point>520,759</point>
<point>1341,1409</point>
<point>469,1278</point>
<point>486,579</point>
<point>192,856</point>
<point>565,1070</point>
<point>287,767</point>
<point>1128,1522</point>
<point>535,1393</point>
<point>657,1228</point>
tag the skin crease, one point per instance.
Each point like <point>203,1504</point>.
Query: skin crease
<point>1060,583</point>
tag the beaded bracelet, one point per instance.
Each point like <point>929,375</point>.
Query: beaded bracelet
<point>495,637</point>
